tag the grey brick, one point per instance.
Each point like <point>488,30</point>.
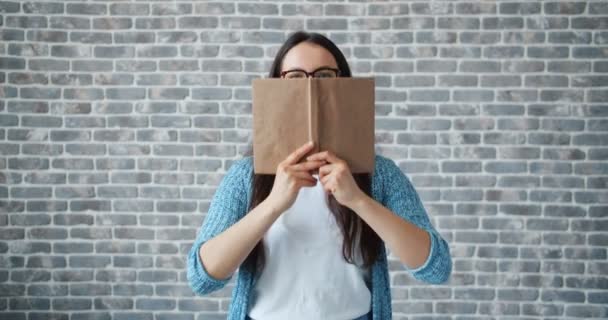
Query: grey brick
<point>548,52</point>
<point>462,52</point>
<point>115,247</point>
<point>178,65</point>
<point>591,282</point>
<point>37,7</point>
<point>565,8</point>
<point>585,311</point>
<point>413,23</point>
<point>412,52</point>
<point>131,289</point>
<point>77,23</point>
<point>499,308</point>
<point>458,23</point>
<point>155,23</point>
<point>358,10</point>
<point>86,289</point>
<point>429,95</point>
<point>519,8</point>
<point>78,94</point>
<point>91,37</point>
<point>554,138</point>
<point>257,9</point>
<point>47,36</point>
<point>131,9</point>
<point>92,65</point>
<point>370,23</point>
<point>309,9</point>
<point>435,66</point>
<point>502,23</point>
<point>71,304</point>
<point>157,276</point>
<point>29,304</point>
<point>12,35</point>
<point>589,23</point>
<point>47,290</point>
<point>479,66</point>
<point>71,79</point>
<point>197,305</point>
<point>456,307</point>
<point>112,23</point>
<point>86,8</point>
<point>563,239</point>
<point>436,37</point>
<point>134,37</point>
<point>113,303</point>
<point>563,296</point>
<point>326,24</point>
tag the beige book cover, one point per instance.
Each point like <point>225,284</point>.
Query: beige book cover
<point>336,113</point>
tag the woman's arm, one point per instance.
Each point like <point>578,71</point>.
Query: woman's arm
<point>403,224</point>
<point>409,242</point>
<point>223,254</point>
<point>228,234</point>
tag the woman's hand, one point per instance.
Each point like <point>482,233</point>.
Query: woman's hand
<point>337,178</point>
<point>291,176</point>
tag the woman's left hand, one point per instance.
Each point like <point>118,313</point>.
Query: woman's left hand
<point>336,178</point>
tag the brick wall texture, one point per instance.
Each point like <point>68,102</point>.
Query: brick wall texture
<point>118,119</point>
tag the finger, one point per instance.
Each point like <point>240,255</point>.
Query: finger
<point>308,165</point>
<point>295,156</point>
<point>329,187</point>
<point>326,169</point>
<point>325,155</point>
<point>317,156</point>
<point>325,180</point>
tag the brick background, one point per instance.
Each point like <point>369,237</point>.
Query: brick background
<point>118,120</point>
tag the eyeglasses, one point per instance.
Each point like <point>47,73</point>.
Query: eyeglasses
<point>324,72</point>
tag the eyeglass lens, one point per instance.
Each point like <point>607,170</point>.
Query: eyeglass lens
<point>322,73</point>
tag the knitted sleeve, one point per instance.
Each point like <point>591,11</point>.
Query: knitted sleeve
<point>401,198</point>
<point>227,206</point>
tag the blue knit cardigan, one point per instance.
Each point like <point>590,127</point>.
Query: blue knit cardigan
<point>390,187</point>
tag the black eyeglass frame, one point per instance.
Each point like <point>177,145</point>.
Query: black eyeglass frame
<point>311,74</point>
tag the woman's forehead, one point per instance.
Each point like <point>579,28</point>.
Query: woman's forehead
<point>308,56</point>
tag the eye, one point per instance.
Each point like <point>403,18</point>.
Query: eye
<point>325,73</point>
<point>295,74</point>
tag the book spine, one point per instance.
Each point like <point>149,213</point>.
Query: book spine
<point>313,113</point>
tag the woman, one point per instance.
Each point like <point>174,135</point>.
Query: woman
<point>309,241</point>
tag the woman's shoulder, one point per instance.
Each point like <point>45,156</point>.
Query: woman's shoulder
<point>242,168</point>
<point>384,166</point>
<point>243,165</point>
<point>245,162</point>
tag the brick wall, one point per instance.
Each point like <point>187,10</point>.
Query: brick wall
<point>118,120</point>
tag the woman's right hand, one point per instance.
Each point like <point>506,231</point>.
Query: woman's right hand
<point>291,176</point>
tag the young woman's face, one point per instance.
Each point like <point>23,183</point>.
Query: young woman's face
<point>309,57</point>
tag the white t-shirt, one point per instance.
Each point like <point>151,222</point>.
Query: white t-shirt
<point>305,275</point>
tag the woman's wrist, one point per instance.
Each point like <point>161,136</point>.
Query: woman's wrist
<point>270,209</point>
<point>358,202</point>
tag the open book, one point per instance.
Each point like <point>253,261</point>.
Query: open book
<point>336,113</point>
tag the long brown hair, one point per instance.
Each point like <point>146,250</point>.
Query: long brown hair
<point>352,226</point>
